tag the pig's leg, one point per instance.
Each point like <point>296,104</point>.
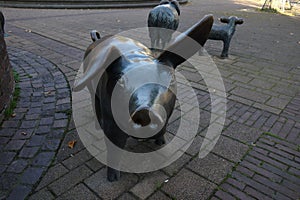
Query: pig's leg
<point>113,157</point>
<point>115,137</point>
<point>113,174</point>
<point>152,42</point>
<point>168,38</point>
<point>160,140</point>
<point>157,41</point>
<point>154,36</point>
<point>225,48</point>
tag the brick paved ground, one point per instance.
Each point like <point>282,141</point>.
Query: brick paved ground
<point>257,156</point>
<point>30,139</point>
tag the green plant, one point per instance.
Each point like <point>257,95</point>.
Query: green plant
<point>10,109</point>
<point>273,135</point>
<point>158,185</point>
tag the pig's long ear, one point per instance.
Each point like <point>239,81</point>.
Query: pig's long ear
<point>187,43</point>
<point>95,63</point>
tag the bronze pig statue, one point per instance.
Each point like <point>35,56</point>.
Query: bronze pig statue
<point>112,57</point>
<point>164,16</point>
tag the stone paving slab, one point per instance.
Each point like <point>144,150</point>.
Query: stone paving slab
<point>246,138</point>
<point>269,171</point>
<point>187,185</point>
<point>261,134</point>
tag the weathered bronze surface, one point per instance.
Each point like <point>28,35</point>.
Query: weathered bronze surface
<point>116,56</point>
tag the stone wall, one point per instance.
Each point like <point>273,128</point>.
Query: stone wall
<point>6,75</point>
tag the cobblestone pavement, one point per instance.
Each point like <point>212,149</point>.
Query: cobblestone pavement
<point>256,157</point>
<point>30,139</point>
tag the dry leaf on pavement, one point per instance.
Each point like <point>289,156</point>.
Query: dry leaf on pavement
<point>71,144</point>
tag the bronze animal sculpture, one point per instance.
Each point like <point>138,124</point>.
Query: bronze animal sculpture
<point>2,21</point>
<point>162,17</point>
<point>225,32</point>
<point>114,57</point>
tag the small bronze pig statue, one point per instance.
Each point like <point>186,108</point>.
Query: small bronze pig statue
<point>225,32</point>
<point>110,59</point>
<point>164,16</point>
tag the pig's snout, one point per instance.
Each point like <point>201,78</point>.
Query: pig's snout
<point>153,119</point>
<point>141,117</point>
<point>149,109</point>
<point>148,116</point>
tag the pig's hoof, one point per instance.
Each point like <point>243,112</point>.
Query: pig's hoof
<point>113,175</point>
<point>224,56</point>
<point>160,141</point>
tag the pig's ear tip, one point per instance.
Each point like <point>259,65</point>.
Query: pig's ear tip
<point>208,17</point>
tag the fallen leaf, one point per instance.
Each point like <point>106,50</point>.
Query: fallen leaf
<point>13,115</point>
<point>71,144</point>
<point>48,92</point>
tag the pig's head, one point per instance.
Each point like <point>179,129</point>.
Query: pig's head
<point>173,3</point>
<point>148,92</point>
<point>232,19</point>
<point>138,90</point>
